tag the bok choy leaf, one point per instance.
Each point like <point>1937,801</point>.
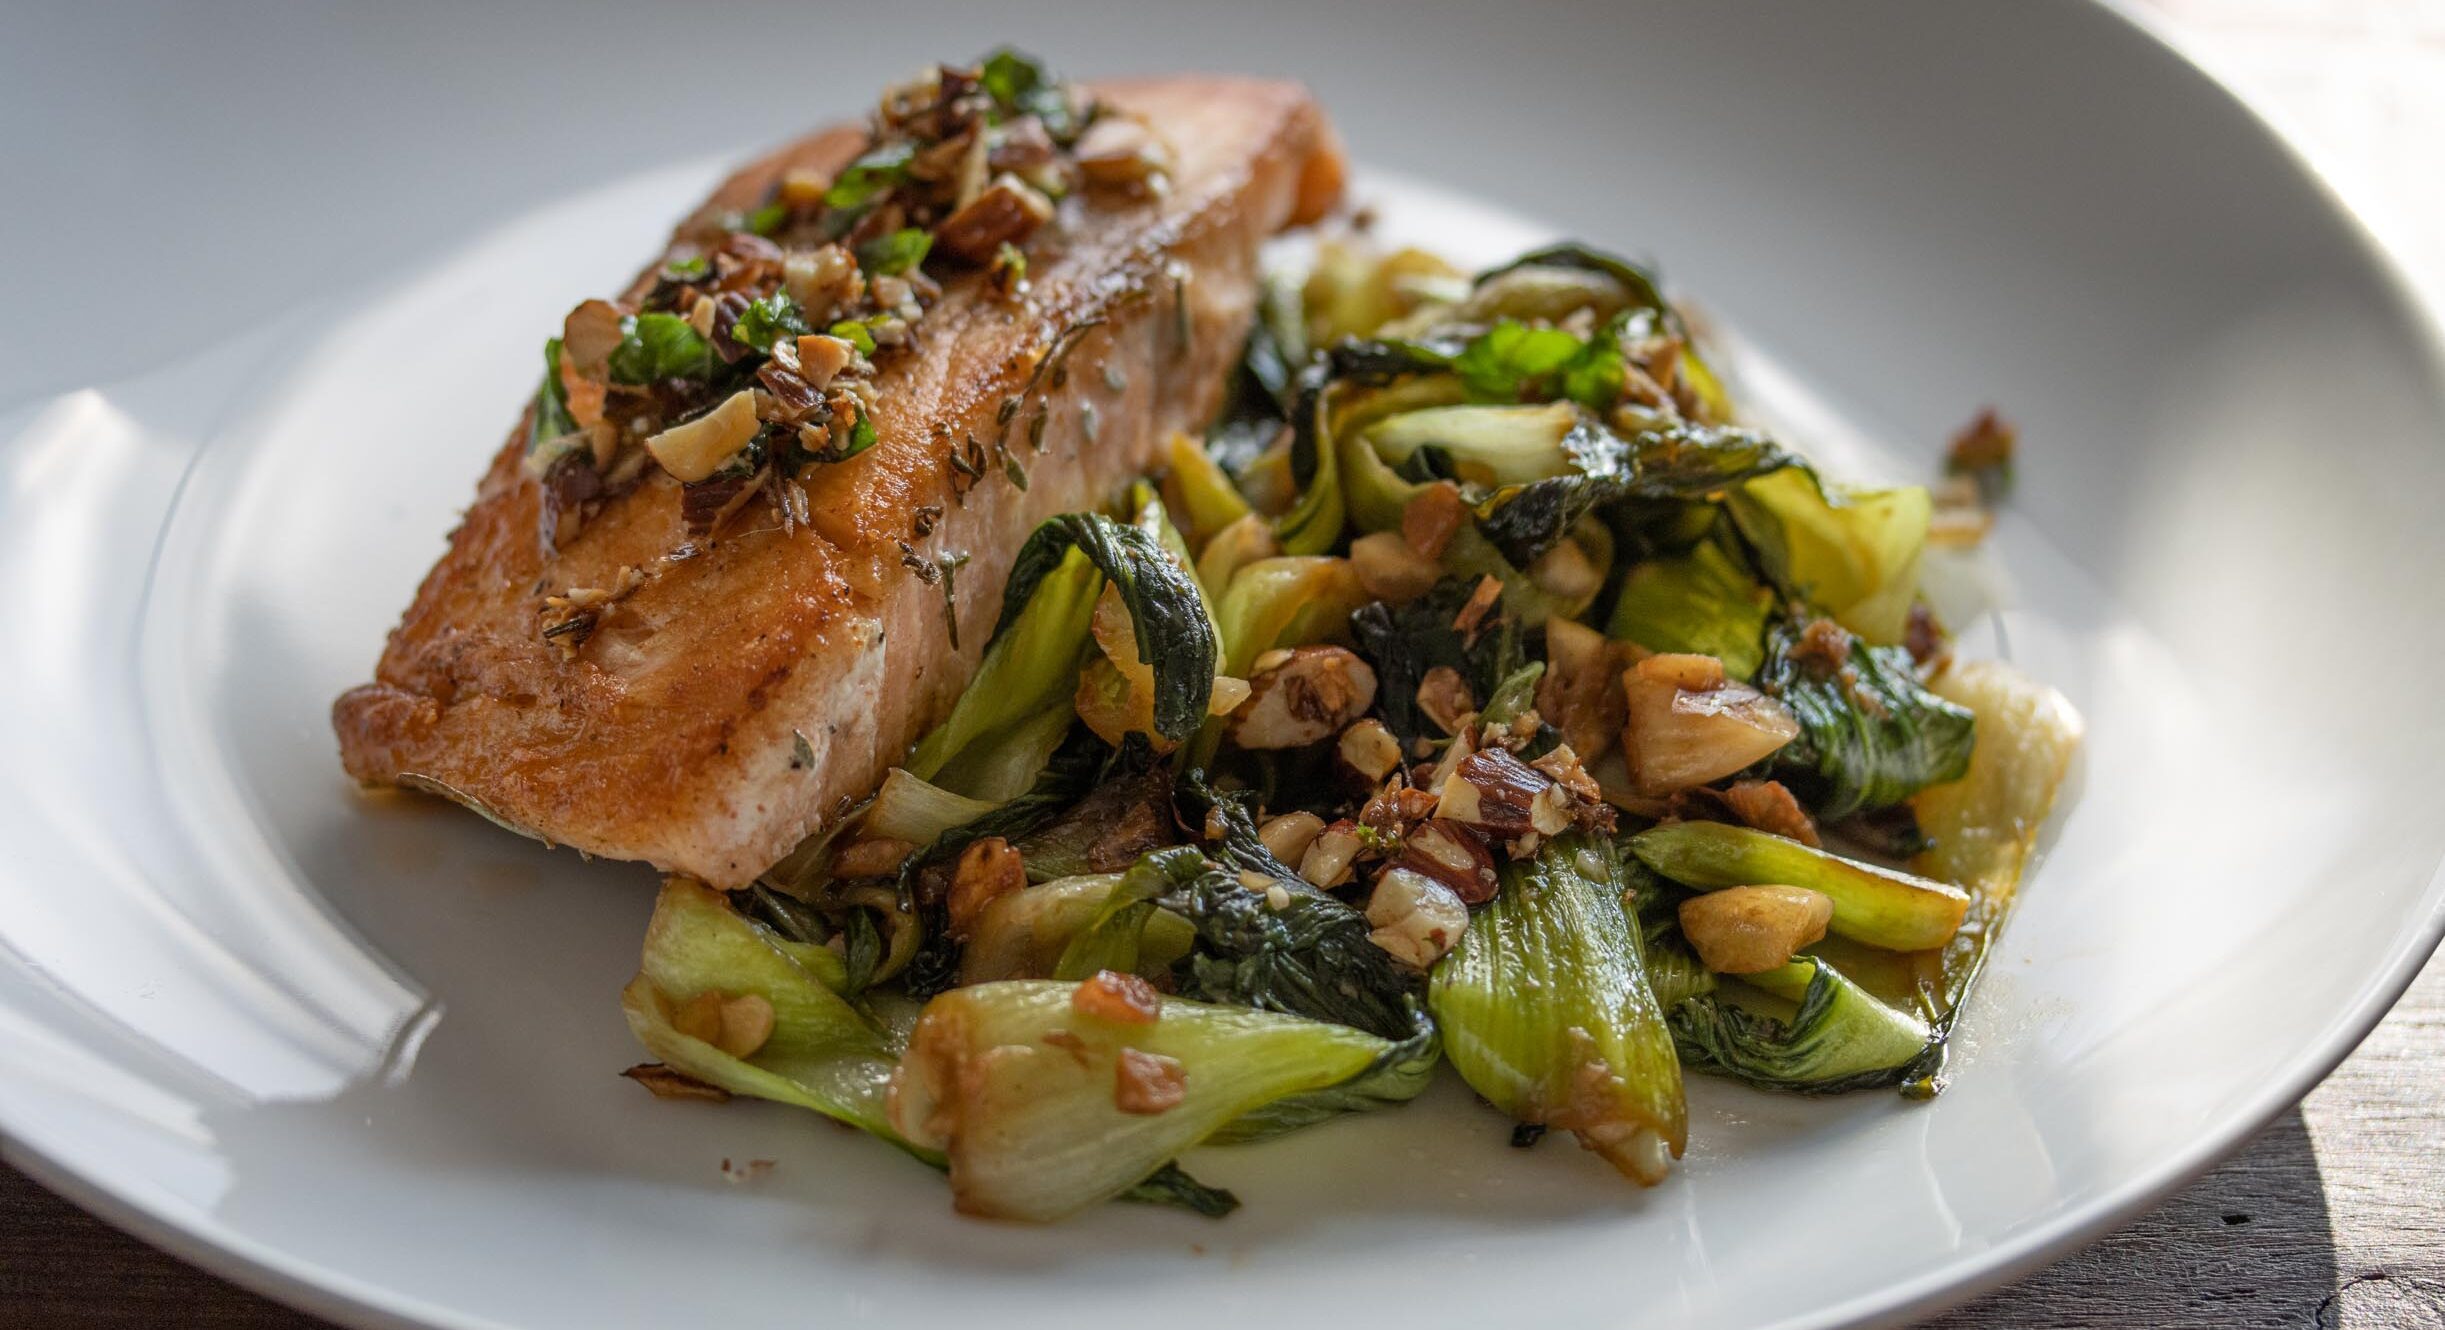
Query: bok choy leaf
<point>1840,1039</point>
<point>1870,735</point>
<point>1166,608</point>
<point>1879,906</point>
<point>1044,1102</point>
<point>1546,1010</point>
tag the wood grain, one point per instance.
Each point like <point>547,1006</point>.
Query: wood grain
<point>2333,1217</point>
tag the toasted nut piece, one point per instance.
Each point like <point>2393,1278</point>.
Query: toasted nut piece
<point>1304,699</point>
<point>1370,750</point>
<point>1118,152</point>
<point>1148,1083</point>
<point>1566,573</point>
<point>1007,212</point>
<point>1581,691</point>
<point>1747,930</point>
<point>1429,520</point>
<point>588,337</point>
<point>1388,569</point>
<point>880,857</point>
<point>821,358</point>
<point>1122,999</point>
<point>1494,792</point>
<point>1417,919</point>
<point>1327,860</point>
<point>1767,806</point>
<point>1289,835</point>
<point>1452,855</point>
<point>823,282</point>
<point>1227,696</point>
<point>747,1021</point>
<point>1482,600</point>
<point>1678,737</point>
<point>802,188</point>
<point>987,868</point>
<point>1445,698</point>
<point>697,448</point>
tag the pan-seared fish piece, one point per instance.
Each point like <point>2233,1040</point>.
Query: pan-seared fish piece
<point>708,701</point>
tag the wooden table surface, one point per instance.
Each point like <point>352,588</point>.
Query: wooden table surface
<point>2332,1217</point>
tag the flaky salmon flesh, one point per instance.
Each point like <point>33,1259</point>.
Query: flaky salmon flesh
<point>750,696</point>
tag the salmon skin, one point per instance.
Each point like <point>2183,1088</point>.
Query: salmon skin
<point>750,695</point>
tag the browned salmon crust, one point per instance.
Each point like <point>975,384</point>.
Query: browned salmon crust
<point>748,696</point>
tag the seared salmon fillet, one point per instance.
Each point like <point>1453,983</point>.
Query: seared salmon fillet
<point>747,694</point>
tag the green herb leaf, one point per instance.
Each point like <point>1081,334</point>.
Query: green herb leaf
<point>870,177</point>
<point>890,255</point>
<point>551,419</point>
<point>855,334</point>
<point>767,220</point>
<point>1019,86</point>
<point>654,347</point>
<point>769,320</point>
<point>1513,362</point>
<point>688,269</point>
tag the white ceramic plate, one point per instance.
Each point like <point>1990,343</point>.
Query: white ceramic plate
<point>361,1054</point>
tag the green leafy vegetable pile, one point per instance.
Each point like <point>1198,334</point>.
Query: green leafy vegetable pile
<point>1484,691</point>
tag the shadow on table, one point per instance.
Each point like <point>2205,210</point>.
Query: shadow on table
<point>2248,1245</point>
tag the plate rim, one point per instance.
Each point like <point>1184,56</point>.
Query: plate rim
<point>318,1289</point>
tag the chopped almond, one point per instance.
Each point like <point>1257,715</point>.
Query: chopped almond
<point>1303,698</point>
<point>1481,602</point>
<point>1288,837</point>
<point>1370,751</point>
<point>1326,862</point>
<point>1452,855</point>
